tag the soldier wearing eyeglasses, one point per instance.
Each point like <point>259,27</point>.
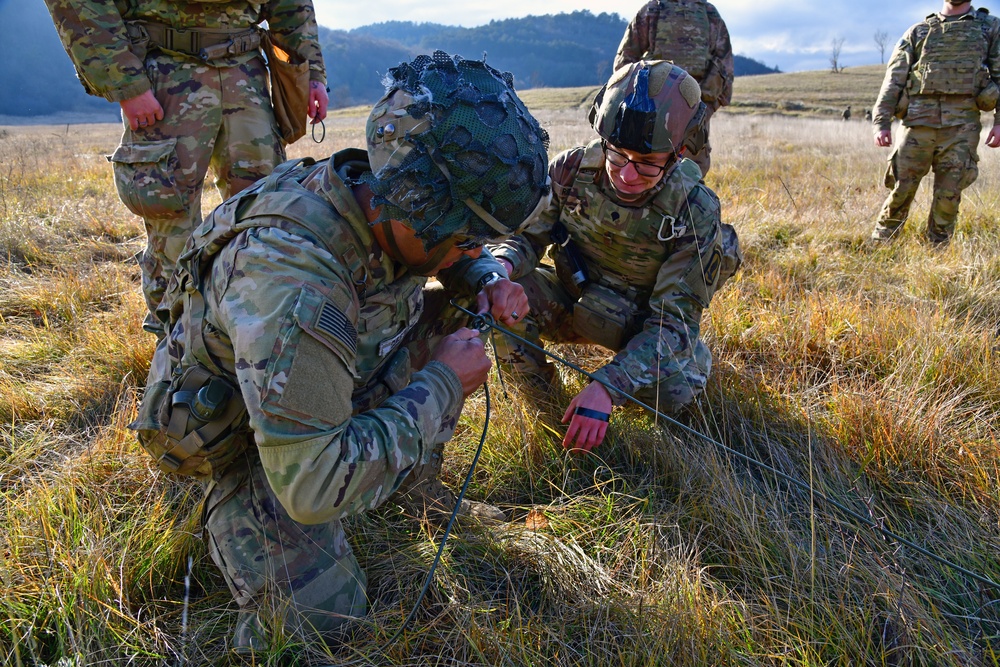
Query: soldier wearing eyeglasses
<point>638,248</point>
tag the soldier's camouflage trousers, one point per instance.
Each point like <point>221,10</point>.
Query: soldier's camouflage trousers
<point>952,153</point>
<point>284,574</point>
<point>551,319</point>
<point>218,117</point>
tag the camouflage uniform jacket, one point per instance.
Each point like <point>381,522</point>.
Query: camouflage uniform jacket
<point>670,281</point>
<point>303,338</point>
<point>111,66</point>
<point>639,42</point>
<point>933,110</point>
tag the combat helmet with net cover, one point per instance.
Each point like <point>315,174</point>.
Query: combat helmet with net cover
<point>650,106</point>
<point>454,152</point>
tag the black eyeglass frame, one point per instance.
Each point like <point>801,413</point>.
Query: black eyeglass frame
<point>639,165</point>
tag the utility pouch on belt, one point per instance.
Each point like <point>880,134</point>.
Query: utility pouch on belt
<point>193,423</point>
<point>289,89</point>
<point>989,94</point>
<point>604,316</point>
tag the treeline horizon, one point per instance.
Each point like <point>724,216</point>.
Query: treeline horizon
<point>553,50</point>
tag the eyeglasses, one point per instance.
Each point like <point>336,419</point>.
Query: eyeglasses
<point>646,169</point>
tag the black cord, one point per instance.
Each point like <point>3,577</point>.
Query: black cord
<point>482,322</point>
<point>322,126</point>
<point>444,539</point>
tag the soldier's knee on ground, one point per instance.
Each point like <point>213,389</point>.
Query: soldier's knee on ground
<point>425,496</point>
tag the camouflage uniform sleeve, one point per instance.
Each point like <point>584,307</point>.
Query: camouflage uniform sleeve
<point>717,85</point>
<point>93,34</point>
<point>684,287</point>
<point>291,315</point>
<point>465,275</point>
<point>294,22</point>
<point>636,40</point>
<point>896,74</point>
<point>993,58</point>
<point>525,251</point>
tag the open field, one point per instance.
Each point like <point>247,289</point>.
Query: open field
<point>870,374</point>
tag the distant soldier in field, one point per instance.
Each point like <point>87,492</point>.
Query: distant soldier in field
<point>639,251</point>
<point>942,74</point>
<point>692,35</point>
<point>193,89</point>
<point>846,115</point>
<point>868,115</point>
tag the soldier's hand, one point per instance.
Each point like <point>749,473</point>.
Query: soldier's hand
<point>142,110</point>
<point>319,101</point>
<point>464,353</point>
<point>585,433</point>
<point>993,139</point>
<point>883,138</point>
<point>504,300</point>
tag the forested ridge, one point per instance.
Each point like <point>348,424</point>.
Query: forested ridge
<point>560,50</point>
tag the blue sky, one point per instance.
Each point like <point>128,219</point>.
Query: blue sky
<point>794,35</point>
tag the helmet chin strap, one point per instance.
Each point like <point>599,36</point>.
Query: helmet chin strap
<point>432,262</point>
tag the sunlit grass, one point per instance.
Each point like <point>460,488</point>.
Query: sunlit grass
<point>868,373</point>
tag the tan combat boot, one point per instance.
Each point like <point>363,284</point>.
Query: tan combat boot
<point>424,495</point>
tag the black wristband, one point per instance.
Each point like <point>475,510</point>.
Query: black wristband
<point>592,414</point>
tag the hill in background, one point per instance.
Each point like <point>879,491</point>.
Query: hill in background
<point>820,92</point>
<point>552,51</point>
<point>575,49</point>
<point>36,75</point>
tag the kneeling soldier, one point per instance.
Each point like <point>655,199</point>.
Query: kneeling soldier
<point>308,373</point>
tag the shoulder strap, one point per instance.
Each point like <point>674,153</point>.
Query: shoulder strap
<point>668,200</point>
<point>265,204</point>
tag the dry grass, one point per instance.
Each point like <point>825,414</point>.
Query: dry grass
<point>816,93</point>
<point>869,373</point>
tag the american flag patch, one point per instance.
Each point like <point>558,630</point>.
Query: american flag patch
<point>333,322</point>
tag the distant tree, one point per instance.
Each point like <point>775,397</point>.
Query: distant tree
<point>835,46</point>
<point>602,69</point>
<point>881,41</point>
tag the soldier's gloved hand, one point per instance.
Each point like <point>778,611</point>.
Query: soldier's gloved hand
<point>142,110</point>
<point>504,300</point>
<point>585,433</point>
<point>463,352</point>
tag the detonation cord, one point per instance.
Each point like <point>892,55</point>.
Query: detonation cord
<point>484,322</point>
<point>322,136</point>
<point>444,539</point>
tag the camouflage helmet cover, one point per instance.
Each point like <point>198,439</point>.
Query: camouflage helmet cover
<point>649,106</point>
<point>454,151</point>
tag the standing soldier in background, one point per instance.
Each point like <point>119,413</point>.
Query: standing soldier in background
<point>942,74</point>
<point>692,35</point>
<point>193,91</point>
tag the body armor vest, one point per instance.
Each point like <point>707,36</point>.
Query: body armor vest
<point>952,58</point>
<point>624,246</point>
<point>682,36</point>
<point>176,423</point>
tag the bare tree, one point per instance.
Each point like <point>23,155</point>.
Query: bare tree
<point>602,70</point>
<point>881,41</point>
<point>835,46</point>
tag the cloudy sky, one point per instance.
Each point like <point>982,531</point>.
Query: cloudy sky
<point>792,34</point>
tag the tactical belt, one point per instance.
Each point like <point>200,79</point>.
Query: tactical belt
<point>198,42</point>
